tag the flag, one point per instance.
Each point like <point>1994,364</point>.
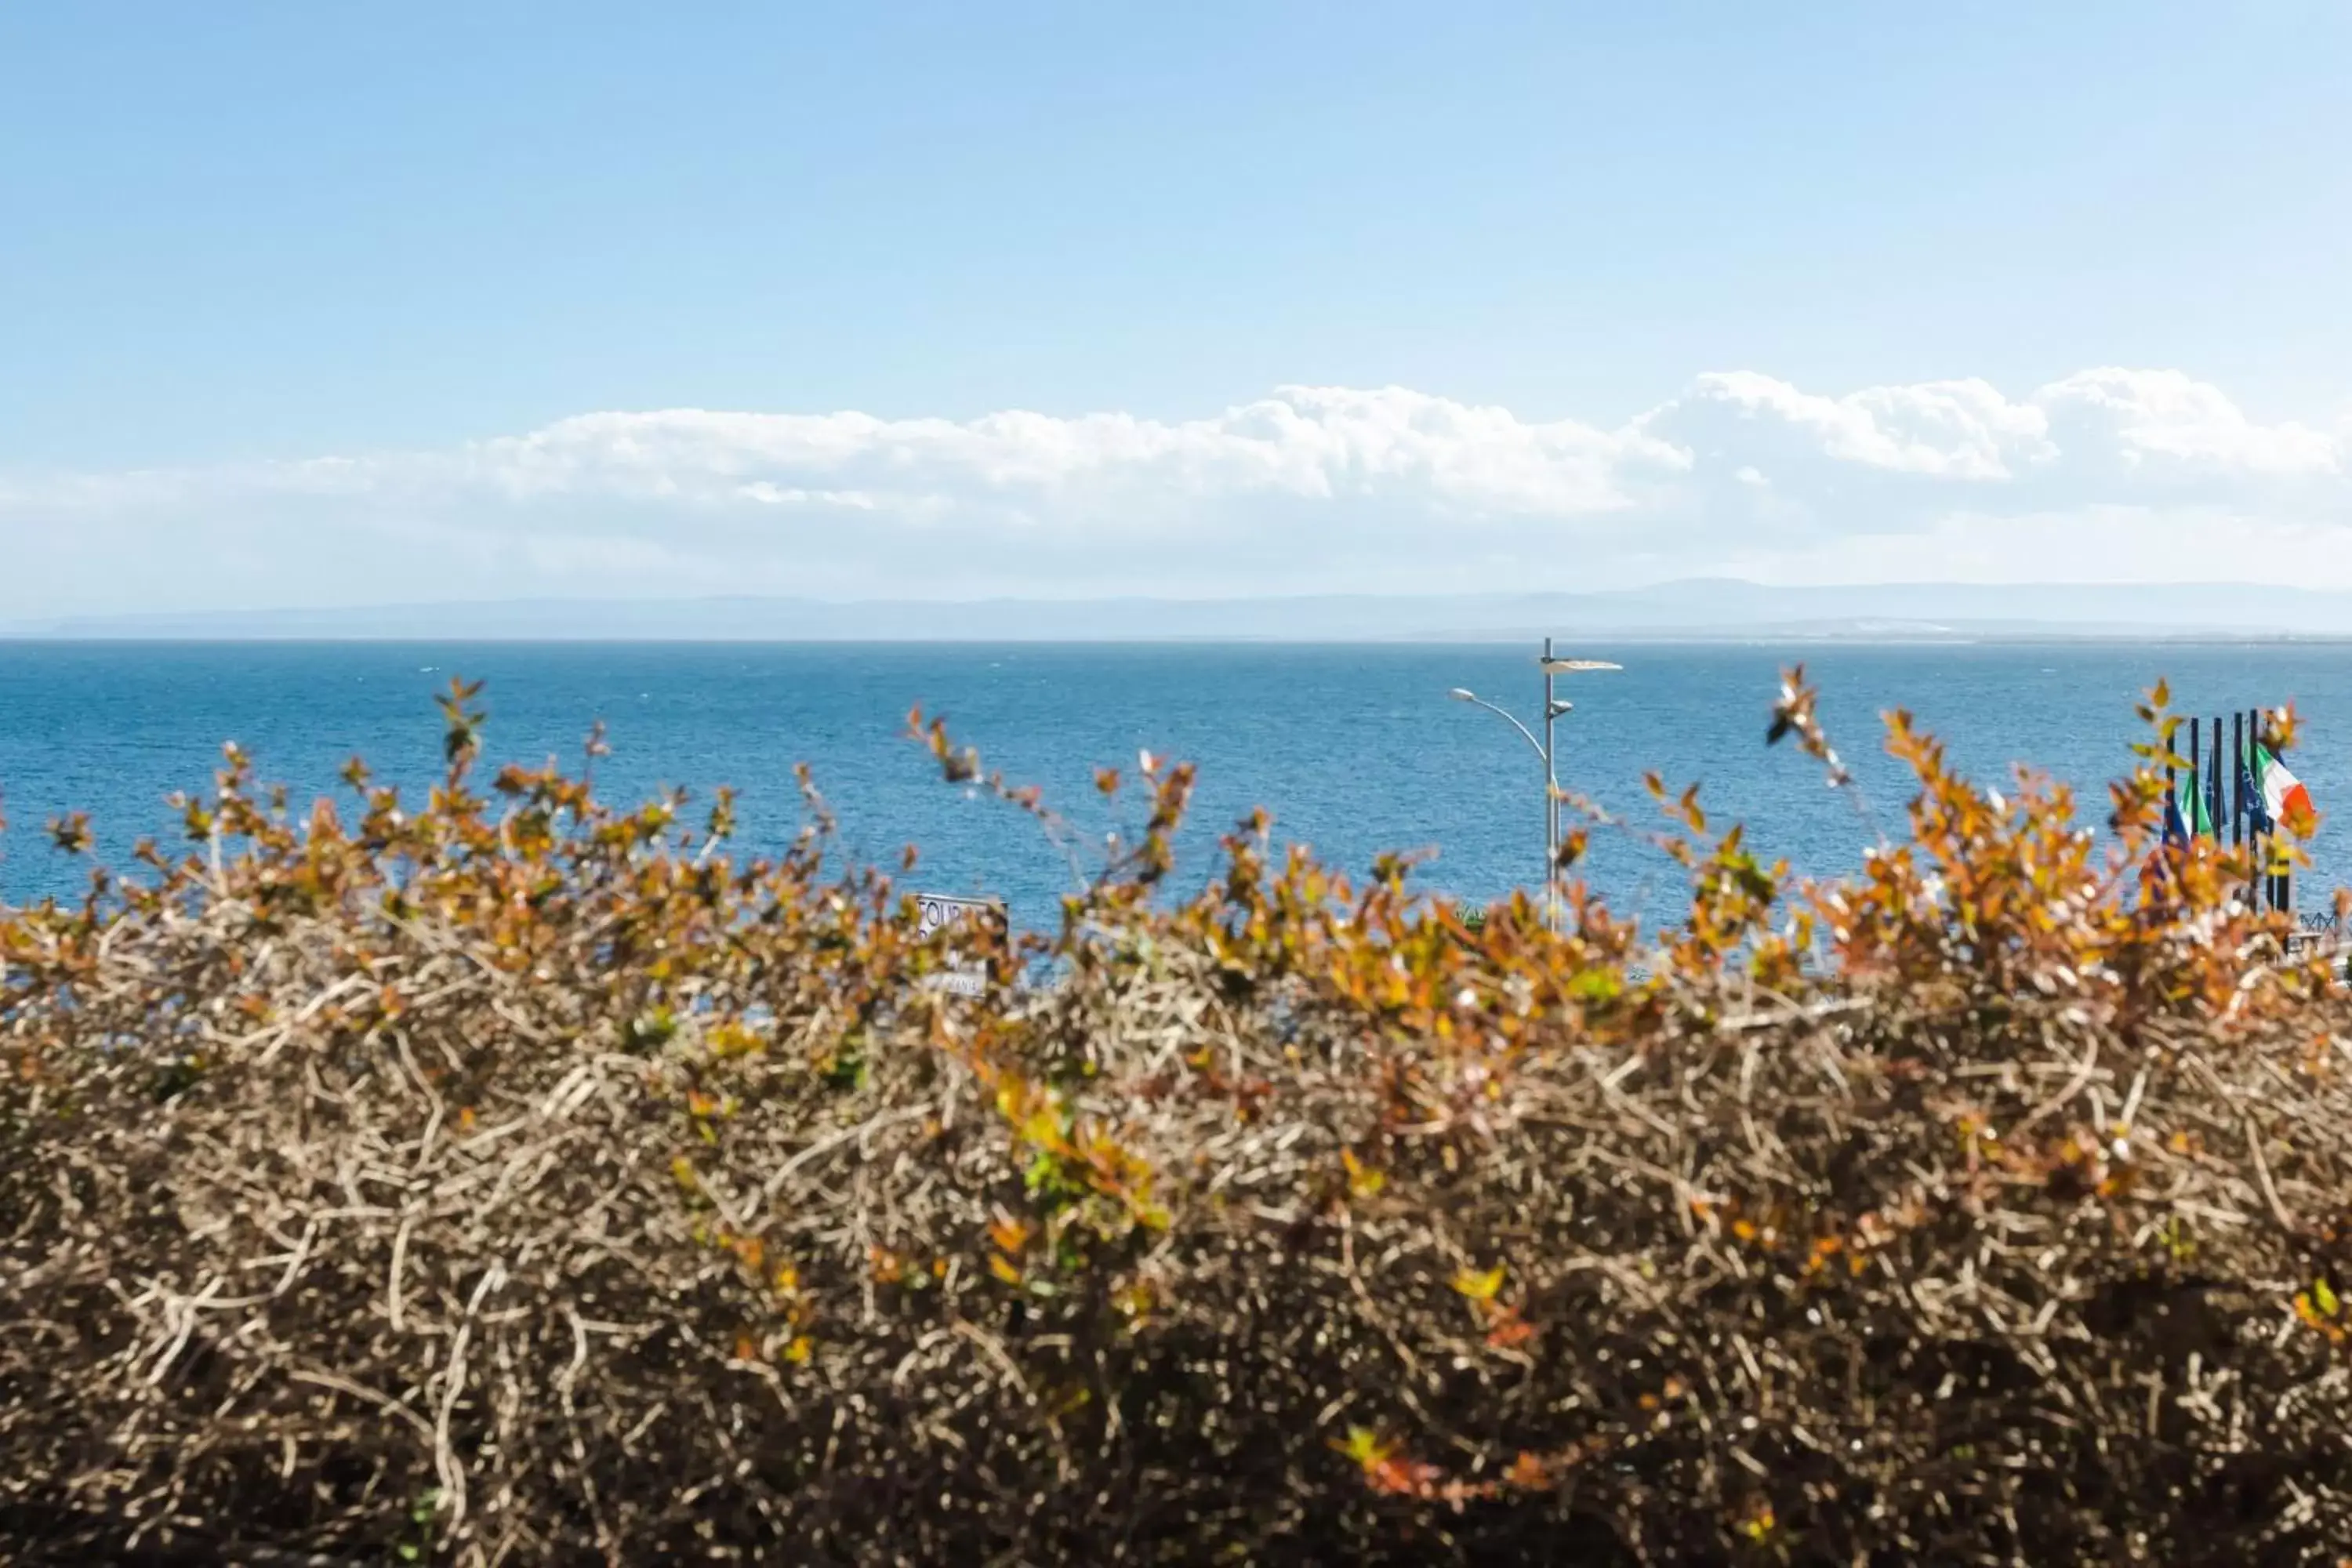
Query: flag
<point>2189,810</point>
<point>2250,809</point>
<point>2183,804</point>
<point>2176,828</point>
<point>2283,799</point>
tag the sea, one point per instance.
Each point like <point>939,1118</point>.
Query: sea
<point>1355,750</point>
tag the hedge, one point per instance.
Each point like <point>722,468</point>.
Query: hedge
<point>507,1177</point>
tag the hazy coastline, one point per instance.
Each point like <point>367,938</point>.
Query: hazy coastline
<point>1706,610</point>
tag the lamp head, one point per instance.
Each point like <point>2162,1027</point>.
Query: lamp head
<point>1462,694</point>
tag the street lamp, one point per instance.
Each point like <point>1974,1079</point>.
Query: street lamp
<point>1546,750</point>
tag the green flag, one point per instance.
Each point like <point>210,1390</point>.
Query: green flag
<point>2194,813</point>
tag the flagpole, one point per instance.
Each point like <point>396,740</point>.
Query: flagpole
<point>2237,783</point>
<point>2196,775</point>
<point>2246,833</point>
<point>2287,877</point>
<point>2277,892</point>
<point>2171,803</point>
<point>2213,787</point>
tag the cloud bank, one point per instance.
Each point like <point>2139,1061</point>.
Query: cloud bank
<point>2110,475</point>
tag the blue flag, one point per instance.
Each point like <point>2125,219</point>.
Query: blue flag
<point>2251,803</point>
<point>2175,827</point>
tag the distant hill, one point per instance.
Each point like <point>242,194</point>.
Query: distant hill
<point>1697,609</point>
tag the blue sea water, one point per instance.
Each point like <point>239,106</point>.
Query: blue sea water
<point>1355,750</point>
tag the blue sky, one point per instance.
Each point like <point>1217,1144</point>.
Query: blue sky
<point>240,242</point>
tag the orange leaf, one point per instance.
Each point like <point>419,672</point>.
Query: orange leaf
<point>1511,1333</point>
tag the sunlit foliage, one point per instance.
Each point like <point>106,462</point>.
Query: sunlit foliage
<point>504,1177</point>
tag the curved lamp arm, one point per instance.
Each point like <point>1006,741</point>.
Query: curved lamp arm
<point>1462,694</point>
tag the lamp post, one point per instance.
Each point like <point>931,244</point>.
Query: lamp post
<point>1554,707</point>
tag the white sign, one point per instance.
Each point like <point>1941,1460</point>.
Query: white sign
<point>934,911</point>
<point>968,981</point>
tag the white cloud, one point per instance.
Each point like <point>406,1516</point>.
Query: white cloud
<point>1304,443</point>
<point>2162,419</point>
<point>2110,475</point>
<point>1942,429</point>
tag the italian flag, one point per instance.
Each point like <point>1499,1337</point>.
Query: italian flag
<point>2285,800</point>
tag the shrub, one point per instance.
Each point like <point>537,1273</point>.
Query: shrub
<point>514,1178</point>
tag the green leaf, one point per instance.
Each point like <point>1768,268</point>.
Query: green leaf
<point>1596,986</point>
